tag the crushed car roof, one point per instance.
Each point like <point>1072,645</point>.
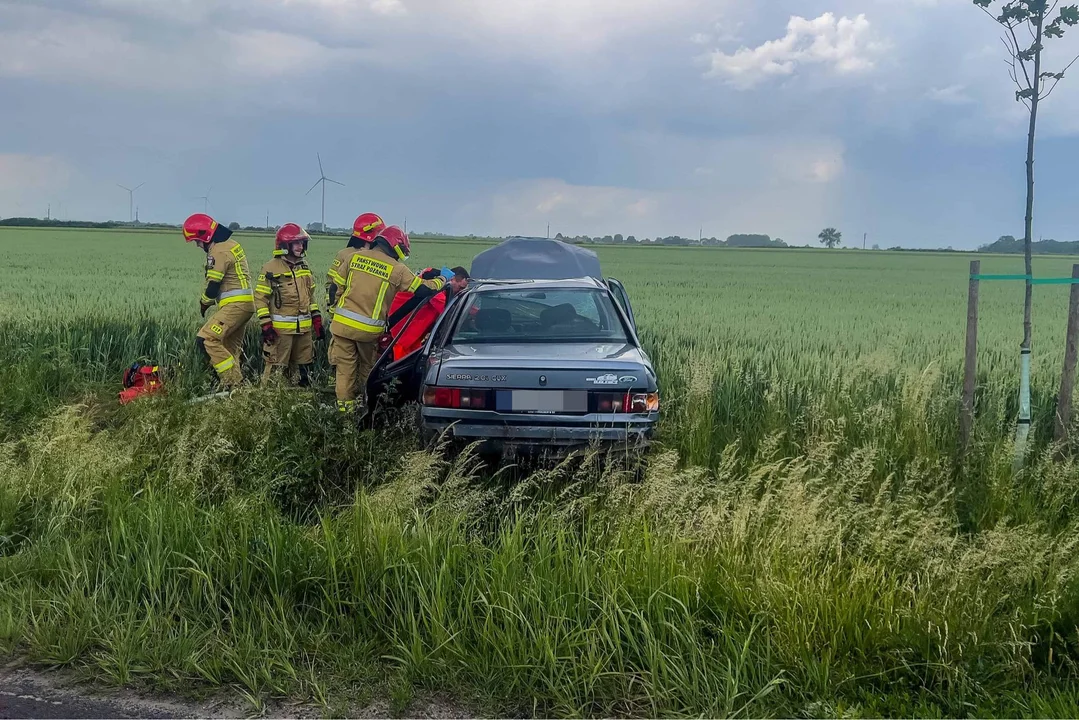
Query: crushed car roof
<point>522,258</point>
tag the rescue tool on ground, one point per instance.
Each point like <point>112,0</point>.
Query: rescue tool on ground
<point>228,286</point>
<point>287,309</point>
<point>365,282</point>
<point>141,380</point>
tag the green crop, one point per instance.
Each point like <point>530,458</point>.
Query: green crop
<point>805,539</point>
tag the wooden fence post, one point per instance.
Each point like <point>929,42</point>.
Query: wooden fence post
<point>970,367</point>
<point>1071,354</point>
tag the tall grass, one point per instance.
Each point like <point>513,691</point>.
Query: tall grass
<point>804,541</point>
<point>803,586</point>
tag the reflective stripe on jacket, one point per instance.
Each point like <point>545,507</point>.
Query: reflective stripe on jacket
<point>367,280</point>
<point>285,295</point>
<point>226,264</point>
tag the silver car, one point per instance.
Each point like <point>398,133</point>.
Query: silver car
<point>531,363</point>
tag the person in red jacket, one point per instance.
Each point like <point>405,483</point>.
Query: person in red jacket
<point>410,336</point>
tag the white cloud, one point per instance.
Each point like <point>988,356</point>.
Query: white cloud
<point>75,48</point>
<point>950,95</point>
<point>844,45</point>
<point>527,206</point>
<point>388,7</point>
<point>826,170</point>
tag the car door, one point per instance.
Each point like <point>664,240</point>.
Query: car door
<point>622,298</point>
<point>404,376</point>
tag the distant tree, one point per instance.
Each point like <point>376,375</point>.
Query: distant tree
<point>631,239</point>
<point>618,238</point>
<point>559,237</point>
<point>750,240</point>
<point>830,237</point>
<point>876,247</point>
<point>234,226</point>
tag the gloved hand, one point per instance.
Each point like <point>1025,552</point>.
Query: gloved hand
<point>430,273</point>
<point>269,335</point>
<point>316,325</point>
<point>447,274</point>
<point>203,307</point>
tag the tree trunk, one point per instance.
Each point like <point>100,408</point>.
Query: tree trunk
<point>1071,358</point>
<point>1023,429</point>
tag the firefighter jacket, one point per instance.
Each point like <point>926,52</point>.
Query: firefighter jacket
<point>285,295</point>
<point>228,280</point>
<point>367,281</point>
<point>335,278</point>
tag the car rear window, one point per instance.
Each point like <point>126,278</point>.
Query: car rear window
<point>514,315</point>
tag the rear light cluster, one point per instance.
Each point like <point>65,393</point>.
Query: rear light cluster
<point>624,402</point>
<point>598,402</point>
<point>456,398</point>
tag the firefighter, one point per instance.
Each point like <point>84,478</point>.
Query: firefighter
<point>364,231</point>
<point>287,309</point>
<point>228,285</point>
<point>365,284</point>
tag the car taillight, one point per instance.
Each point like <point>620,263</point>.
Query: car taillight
<point>455,398</point>
<point>641,402</point>
<point>625,402</point>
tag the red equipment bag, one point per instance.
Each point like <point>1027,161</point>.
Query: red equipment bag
<point>141,380</point>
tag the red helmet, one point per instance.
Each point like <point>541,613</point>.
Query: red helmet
<point>200,228</point>
<point>396,238</point>
<point>367,227</point>
<point>288,234</point>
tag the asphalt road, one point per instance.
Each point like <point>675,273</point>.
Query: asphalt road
<point>24,694</point>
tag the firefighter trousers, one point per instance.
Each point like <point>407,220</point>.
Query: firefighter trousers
<point>353,360</point>
<point>222,338</point>
<point>287,354</point>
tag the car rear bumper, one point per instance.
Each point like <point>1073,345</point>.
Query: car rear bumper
<point>541,430</point>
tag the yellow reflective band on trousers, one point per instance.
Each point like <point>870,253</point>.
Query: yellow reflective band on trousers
<point>371,266</point>
<point>225,365</point>
<point>360,322</point>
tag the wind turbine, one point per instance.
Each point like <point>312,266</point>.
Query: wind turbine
<point>205,200</point>
<point>322,179</point>
<point>131,200</point>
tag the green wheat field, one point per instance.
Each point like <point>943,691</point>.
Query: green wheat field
<point>804,540</point>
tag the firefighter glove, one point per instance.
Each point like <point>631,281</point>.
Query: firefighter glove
<point>447,274</point>
<point>269,335</point>
<point>316,325</point>
<point>203,307</point>
<point>430,273</point>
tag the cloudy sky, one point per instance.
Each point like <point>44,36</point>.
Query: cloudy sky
<point>888,117</point>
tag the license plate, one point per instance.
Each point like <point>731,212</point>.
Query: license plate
<point>543,401</point>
